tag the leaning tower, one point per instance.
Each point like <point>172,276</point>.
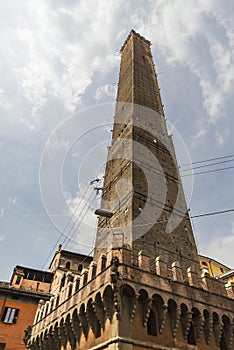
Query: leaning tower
<point>144,288</point>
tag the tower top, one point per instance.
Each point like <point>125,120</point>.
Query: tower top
<point>136,35</point>
<point>137,79</point>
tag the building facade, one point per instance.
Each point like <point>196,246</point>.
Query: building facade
<point>212,267</point>
<point>18,304</point>
<point>144,288</point>
<point>66,264</point>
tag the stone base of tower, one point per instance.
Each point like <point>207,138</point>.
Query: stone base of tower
<point>117,305</point>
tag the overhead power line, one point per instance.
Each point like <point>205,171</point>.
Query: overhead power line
<point>80,222</point>
<point>68,223</point>
<point>208,165</point>
<point>213,213</point>
<point>208,160</point>
<point>208,171</point>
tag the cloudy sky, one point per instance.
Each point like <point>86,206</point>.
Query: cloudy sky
<point>57,59</point>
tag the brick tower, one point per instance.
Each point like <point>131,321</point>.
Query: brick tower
<point>143,289</point>
<point>142,186</point>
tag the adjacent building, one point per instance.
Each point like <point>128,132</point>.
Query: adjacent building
<point>19,300</point>
<point>66,263</point>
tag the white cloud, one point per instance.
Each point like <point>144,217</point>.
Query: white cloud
<point>199,134</point>
<point>2,210</point>
<point>12,200</point>
<point>64,49</point>
<point>222,249</point>
<point>200,35</point>
<point>2,238</point>
<point>105,90</point>
<point>220,137</point>
<point>4,103</point>
<point>81,221</point>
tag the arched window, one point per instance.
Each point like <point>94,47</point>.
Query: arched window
<point>80,267</point>
<point>68,265</point>
<point>191,335</point>
<point>77,284</point>
<point>62,282</point>
<point>151,324</point>
<point>18,280</point>
<point>70,291</point>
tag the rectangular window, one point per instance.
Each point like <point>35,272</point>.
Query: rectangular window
<point>2,346</point>
<point>18,280</point>
<point>10,315</point>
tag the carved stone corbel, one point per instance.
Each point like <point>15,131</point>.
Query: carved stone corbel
<point>71,336</point>
<point>76,327</point>
<point>146,305</point>
<point>109,306</point>
<point>198,326</point>
<point>62,335</point>
<point>231,335</point>
<point>175,321</point>
<point>114,274</point>
<point>50,345</point>
<point>92,318</point>
<point>56,339</point>
<point>208,328</point>
<point>186,320</point>
<point>218,328</point>
<point>134,305</point>
<point>84,323</point>
<point>162,317</point>
<point>117,303</point>
<point>99,311</point>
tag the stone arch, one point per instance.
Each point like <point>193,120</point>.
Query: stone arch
<point>99,310</point>
<point>160,309</point>
<point>194,328</point>
<point>55,327</point>
<point>45,337</point>
<point>56,335</point>
<point>226,336</point>
<point>208,325</point>
<point>174,315</point>
<point>145,303</point>
<point>75,324</point>
<point>69,332</point>
<point>68,265</point>
<point>186,318</point>
<point>62,282</point>
<point>62,333</point>
<point>37,342</point>
<point>84,321</point>
<point>51,338</point>
<point>80,267</point>
<point>217,327</point>
<point>41,340</point>
<point>108,302</point>
<point>128,302</point>
<point>93,321</point>
<point>152,324</point>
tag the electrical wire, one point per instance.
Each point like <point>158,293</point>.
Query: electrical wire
<point>77,219</point>
<point>208,160</point>
<point>207,165</point>
<point>65,227</point>
<point>190,217</point>
<point>208,171</point>
<point>75,229</point>
<point>213,213</point>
